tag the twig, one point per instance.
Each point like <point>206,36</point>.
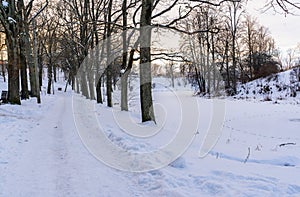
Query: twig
<point>247,155</point>
<point>285,144</point>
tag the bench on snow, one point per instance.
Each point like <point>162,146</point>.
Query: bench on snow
<point>4,96</point>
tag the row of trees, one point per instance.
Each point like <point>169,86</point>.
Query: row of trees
<point>16,18</point>
<point>77,36</point>
<point>234,48</point>
<point>292,58</point>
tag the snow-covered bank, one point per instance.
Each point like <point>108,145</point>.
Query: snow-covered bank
<point>257,154</point>
<point>279,88</point>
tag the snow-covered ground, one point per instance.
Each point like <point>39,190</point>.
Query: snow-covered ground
<point>257,154</point>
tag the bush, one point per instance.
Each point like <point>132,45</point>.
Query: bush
<point>267,69</point>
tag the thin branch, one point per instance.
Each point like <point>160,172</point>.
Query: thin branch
<point>187,32</point>
<point>247,155</point>
<point>166,10</point>
<point>215,4</point>
<point>41,10</point>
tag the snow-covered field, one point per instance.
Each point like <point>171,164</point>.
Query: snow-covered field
<point>257,154</point>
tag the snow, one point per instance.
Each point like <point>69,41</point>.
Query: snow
<point>4,3</point>
<point>278,88</point>
<point>42,154</point>
<point>11,20</point>
<point>122,71</point>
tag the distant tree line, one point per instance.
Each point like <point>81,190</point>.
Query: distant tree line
<point>234,45</point>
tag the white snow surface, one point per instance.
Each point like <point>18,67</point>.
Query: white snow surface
<point>4,3</point>
<point>258,153</point>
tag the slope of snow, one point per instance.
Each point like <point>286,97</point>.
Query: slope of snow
<point>279,88</point>
<point>257,154</point>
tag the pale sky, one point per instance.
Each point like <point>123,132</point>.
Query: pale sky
<point>284,29</point>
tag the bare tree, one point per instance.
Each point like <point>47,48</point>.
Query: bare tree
<point>234,19</point>
<point>9,20</point>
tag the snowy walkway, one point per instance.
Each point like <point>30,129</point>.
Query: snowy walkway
<point>41,154</point>
<point>50,160</point>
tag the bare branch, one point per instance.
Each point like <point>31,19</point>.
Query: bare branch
<point>215,30</point>
<point>41,10</point>
<point>214,4</point>
<point>285,5</point>
<point>166,10</point>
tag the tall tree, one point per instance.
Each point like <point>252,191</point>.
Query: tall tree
<point>9,18</point>
<point>234,18</point>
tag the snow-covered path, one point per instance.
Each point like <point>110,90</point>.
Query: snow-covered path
<point>52,161</point>
<point>41,153</point>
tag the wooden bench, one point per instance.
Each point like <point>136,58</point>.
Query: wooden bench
<point>4,96</point>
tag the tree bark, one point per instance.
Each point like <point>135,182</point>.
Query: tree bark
<point>24,80</point>
<point>124,77</point>
<point>30,60</point>
<point>13,71</point>
<point>145,62</point>
<point>109,57</point>
<point>49,70</point>
<point>12,33</point>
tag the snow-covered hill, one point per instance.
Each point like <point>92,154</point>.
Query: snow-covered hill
<point>280,87</point>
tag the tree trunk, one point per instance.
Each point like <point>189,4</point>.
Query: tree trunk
<point>99,92</point>
<point>49,70</point>
<point>31,66</point>
<point>124,77</point>
<point>109,58</point>
<point>37,86</point>
<point>91,84</point>
<point>55,73</point>
<point>22,52</point>
<point>208,90</point>
<point>83,83</point>
<point>124,82</point>
<point>3,70</point>
<point>172,74</point>
<point>40,66</point>
<point>24,83</point>
<point>145,62</point>
<point>13,72</point>
<point>124,92</point>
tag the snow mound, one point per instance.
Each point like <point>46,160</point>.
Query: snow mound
<point>178,163</point>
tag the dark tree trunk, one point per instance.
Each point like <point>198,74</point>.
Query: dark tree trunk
<point>24,80</point>
<point>12,34</point>
<point>109,85</point>
<point>145,62</point>
<point>109,57</point>
<point>49,70</point>
<point>40,50</point>
<point>13,72</point>
<point>99,92</point>
<point>3,70</point>
<point>55,73</point>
